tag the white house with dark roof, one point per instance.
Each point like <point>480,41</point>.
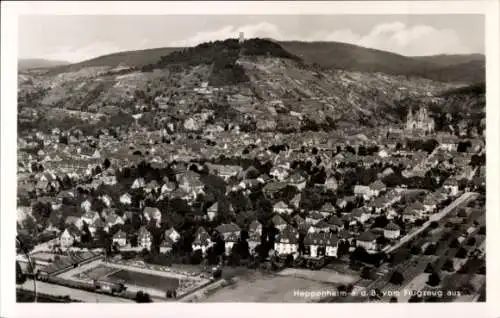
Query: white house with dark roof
<point>212,211</point>
<point>327,209</point>
<point>126,199</point>
<point>68,237</point>
<point>392,231</point>
<point>86,205</point>
<point>282,208</point>
<point>228,229</point>
<point>361,215</point>
<point>120,238</point>
<point>279,222</point>
<point>320,244</point>
<point>255,227</point>
<point>367,240</point>
<point>253,240</point>
<point>314,217</point>
<point>321,226</point>
<point>144,238</point>
<point>139,183</point>
<point>166,245</point>
<point>172,234</point>
<point>287,241</point>
<point>363,191</point>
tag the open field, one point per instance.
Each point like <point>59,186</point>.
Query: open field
<point>260,287</point>
<point>324,276</point>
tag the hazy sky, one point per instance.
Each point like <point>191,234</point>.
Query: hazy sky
<point>76,38</point>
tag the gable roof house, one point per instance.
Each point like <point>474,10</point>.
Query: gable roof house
<point>377,187</point>
<point>126,199</point>
<point>172,234</point>
<point>287,241</point>
<point>367,240</point>
<point>255,227</point>
<point>228,229</point>
<point>139,183</point>
<point>120,238</point>
<point>144,238</point>
<point>213,211</point>
<point>361,215</point>
<point>327,209</point>
<point>314,217</point>
<point>282,208</point>
<point>279,222</point>
<point>151,213</point>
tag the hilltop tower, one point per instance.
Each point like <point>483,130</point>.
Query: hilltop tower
<point>241,38</point>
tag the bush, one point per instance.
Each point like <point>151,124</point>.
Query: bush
<point>433,280</point>
<point>397,278</point>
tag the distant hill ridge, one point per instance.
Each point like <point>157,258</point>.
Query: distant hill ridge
<point>330,55</point>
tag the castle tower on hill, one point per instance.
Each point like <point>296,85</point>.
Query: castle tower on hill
<point>242,38</point>
<point>420,121</point>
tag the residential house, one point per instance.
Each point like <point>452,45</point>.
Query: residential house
<point>228,229</point>
<point>120,238</point>
<point>172,234</point>
<point>90,218</point>
<point>279,173</point>
<point>73,220</point>
<point>321,226</point>
<point>151,213</point>
<point>320,244</point>
<point>126,199</point>
<point>144,238</point>
<point>255,227</point>
<point>295,202</point>
<point>225,171</point>
<point>106,199</point>
<point>229,242</point>
<point>314,217</point>
<point>201,240</point>
<point>86,205</point>
<point>166,245</point>
<point>279,222</point>
<point>410,215</point>
<point>327,209</point>
<point>451,185</point>
<point>377,187</point>
<point>113,219</point>
<point>212,211</point>
<point>282,208</point>
<point>392,231</point>
<point>151,186</point>
<point>363,191</point>
<point>139,183</point>
<point>297,180</point>
<point>367,240</point>
<point>335,223</point>
<point>361,215</point>
<point>331,184</point>
<point>68,237</point>
<point>287,241</point>
<point>167,187</point>
<point>253,240</point>
<point>190,183</point>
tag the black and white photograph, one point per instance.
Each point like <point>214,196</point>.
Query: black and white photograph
<point>250,158</point>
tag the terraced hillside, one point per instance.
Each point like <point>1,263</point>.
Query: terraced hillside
<point>246,85</point>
